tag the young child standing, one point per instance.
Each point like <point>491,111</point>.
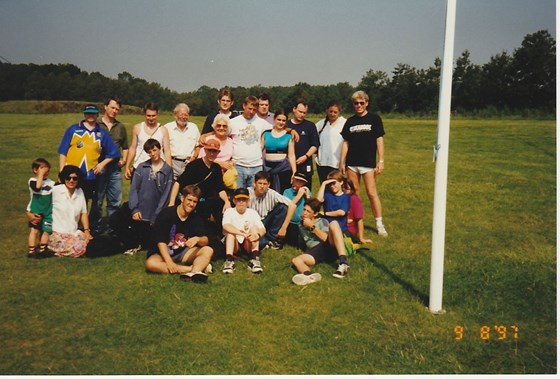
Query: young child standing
<point>324,242</point>
<point>356,216</point>
<point>243,228</point>
<point>39,209</point>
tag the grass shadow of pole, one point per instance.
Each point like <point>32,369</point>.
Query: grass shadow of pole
<point>407,286</point>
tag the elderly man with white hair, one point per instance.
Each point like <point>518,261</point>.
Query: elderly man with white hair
<point>183,138</point>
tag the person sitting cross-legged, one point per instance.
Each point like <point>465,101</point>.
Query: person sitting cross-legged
<point>324,243</point>
<point>181,244</point>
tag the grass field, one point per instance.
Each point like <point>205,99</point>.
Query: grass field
<point>107,316</point>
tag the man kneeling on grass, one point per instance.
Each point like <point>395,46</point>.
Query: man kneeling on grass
<point>243,229</point>
<point>182,246</point>
<point>324,242</point>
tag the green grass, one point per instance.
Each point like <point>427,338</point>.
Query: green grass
<point>107,316</point>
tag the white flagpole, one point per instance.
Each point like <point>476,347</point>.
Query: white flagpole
<point>441,155</point>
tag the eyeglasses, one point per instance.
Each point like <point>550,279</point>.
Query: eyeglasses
<point>221,126</point>
<point>359,102</point>
<point>72,179</point>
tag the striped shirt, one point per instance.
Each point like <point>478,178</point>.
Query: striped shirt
<point>264,204</point>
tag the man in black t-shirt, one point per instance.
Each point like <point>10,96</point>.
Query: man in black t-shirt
<point>181,244</point>
<point>308,140</point>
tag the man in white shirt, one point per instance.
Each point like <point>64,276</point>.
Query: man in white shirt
<point>183,138</point>
<point>246,130</point>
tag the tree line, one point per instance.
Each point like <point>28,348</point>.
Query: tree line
<point>507,84</point>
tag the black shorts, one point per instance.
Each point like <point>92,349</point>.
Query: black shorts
<point>323,252</point>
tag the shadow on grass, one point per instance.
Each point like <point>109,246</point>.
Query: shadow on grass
<point>407,286</point>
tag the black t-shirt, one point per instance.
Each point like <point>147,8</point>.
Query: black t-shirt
<point>361,134</point>
<point>174,232</point>
<point>308,137</point>
<point>207,128</point>
<point>209,180</point>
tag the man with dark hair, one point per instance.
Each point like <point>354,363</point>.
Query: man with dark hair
<point>263,110</point>
<point>275,210</point>
<point>141,132</point>
<point>308,140</point>
<point>109,181</point>
<point>225,102</point>
<point>181,242</point>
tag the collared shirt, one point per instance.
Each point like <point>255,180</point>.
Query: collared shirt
<point>182,141</point>
<point>264,204</point>
<point>117,132</point>
<point>67,209</point>
<point>83,147</point>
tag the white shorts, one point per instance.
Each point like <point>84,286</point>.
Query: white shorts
<point>360,169</point>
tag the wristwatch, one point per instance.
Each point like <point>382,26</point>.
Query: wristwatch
<point>312,228</point>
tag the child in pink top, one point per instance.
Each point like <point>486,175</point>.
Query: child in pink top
<point>356,216</point>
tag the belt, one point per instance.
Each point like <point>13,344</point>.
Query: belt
<point>180,159</point>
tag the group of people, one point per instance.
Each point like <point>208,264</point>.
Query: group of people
<point>241,185</point>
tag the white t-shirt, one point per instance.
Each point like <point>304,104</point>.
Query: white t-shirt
<point>67,209</point>
<point>246,135</point>
<point>331,142</point>
<point>182,142</point>
<point>242,221</point>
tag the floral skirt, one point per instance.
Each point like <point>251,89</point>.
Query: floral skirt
<point>68,245</point>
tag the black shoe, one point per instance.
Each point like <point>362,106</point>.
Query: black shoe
<point>195,277</point>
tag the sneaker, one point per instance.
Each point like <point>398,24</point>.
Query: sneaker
<point>302,280</point>
<point>381,230</point>
<point>255,266</point>
<point>208,270</point>
<point>133,251</point>
<point>274,245</point>
<point>341,271</point>
<point>195,277</point>
<point>228,267</point>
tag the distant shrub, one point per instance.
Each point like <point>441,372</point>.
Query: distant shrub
<point>55,106</point>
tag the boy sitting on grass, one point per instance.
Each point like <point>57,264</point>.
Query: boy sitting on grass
<point>243,228</point>
<point>324,242</point>
<point>336,204</point>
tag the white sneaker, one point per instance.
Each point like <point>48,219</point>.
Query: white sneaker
<point>228,267</point>
<point>381,230</point>
<point>208,270</point>
<point>302,280</point>
<point>255,266</point>
<point>133,251</point>
<point>341,271</point>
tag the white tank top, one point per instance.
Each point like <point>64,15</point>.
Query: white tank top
<point>141,155</point>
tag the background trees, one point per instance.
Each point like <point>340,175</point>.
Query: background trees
<point>525,80</point>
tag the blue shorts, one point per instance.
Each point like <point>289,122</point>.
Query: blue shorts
<point>323,252</point>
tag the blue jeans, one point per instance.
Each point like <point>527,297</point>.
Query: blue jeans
<point>272,222</point>
<point>109,184</point>
<point>246,175</point>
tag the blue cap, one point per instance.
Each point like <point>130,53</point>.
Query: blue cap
<point>91,108</point>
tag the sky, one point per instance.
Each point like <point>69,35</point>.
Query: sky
<point>185,44</point>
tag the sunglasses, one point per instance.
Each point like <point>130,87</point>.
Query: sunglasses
<point>72,179</point>
<point>359,102</point>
